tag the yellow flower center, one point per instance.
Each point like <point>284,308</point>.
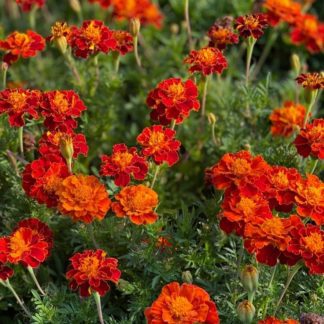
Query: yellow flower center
<point>83,193</point>
<point>316,132</point>
<point>93,34</point>
<point>314,243</point>
<point>60,102</point>
<point>122,159</point>
<point>21,39</point>
<point>52,183</point>
<point>251,22</point>
<point>247,206</point>
<point>314,195</point>
<point>310,25</point>
<point>176,90</point>
<point>17,101</point>
<point>18,244</point>
<point>273,226</point>
<point>280,180</point>
<point>89,266</point>
<point>156,139</point>
<point>206,55</point>
<point>241,167</point>
<point>220,34</point>
<point>59,29</point>
<point>180,307</point>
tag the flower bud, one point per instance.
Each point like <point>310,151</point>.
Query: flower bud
<point>174,28</point>
<point>4,66</point>
<point>66,148</point>
<point>61,44</point>
<point>125,286</point>
<point>75,5</point>
<point>295,63</point>
<point>187,277</point>
<point>211,118</point>
<point>134,26</point>
<point>250,278</point>
<point>245,311</point>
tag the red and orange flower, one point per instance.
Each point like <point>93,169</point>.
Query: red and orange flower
<point>311,81</point>
<point>287,119</point>
<point>310,140</point>
<point>83,198</point>
<point>187,304</point>
<point>274,320</point>
<point>220,36</point>
<point>173,99</point>
<point>124,163</point>
<point>251,25</point>
<point>137,203</point>
<point>124,41</point>
<point>207,60</point>
<point>91,271</point>
<point>103,3</point>
<point>18,103</point>
<point>23,45</point>
<point>26,5</point>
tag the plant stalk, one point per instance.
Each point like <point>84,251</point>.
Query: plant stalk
<point>204,83</point>
<point>310,106</point>
<point>137,58</point>
<point>32,274</point>
<point>21,140</point>
<point>99,310</point>
<point>187,19</point>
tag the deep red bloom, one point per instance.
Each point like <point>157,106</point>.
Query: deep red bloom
<point>90,271</point>
<point>311,81</point>
<point>207,60</point>
<point>18,103</point>
<point>221,36</point>
<point>103,3</point>
<point>5,272</point>
<point>124,41</point>
<point>4,249</point>
<point>26,5</point>
<point>173,99</point>
<point>42,177</point>
<point>251,25</point>
<point>159,143</point>
<point>60,107</point>
<point>21,45</point>
<point>310,140</point>
<point>93,37</point>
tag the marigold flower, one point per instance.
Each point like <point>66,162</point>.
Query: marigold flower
<point>60,107</point>
<point>310,198</point>
<point>251,25</point>
<point>60,35</point>
<point>5,272</point>
<point>83,198</point>
<point>207,60</point>
<point>221,36</point>
<point>123,163</point>
<point>187,304</point>
<point>93,37</point>
<point>137,203</point>
<point>90,271</point>
<point>103,3</point>
<point>173,99</point>
<point>42,177</point>
<point>4,249</point>
<point>124,41</point>
<point>159,143</point>
<point>26,5</point>
<point>23,45</point>
<point>310,140</point>
<point>285,120</point>
<point>274,320</point>
<point>312,81</point>
<point>18,103</point>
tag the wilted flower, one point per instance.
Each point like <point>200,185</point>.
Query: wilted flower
<point>311,81</point>
<point>251,25</point>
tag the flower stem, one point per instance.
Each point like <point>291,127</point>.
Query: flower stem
<point>4,78</point>
<point>32,17</point>
<point>173,124</point>
<point>70,62</point>
<point>97,76</point>
<point>250,47</point>
<point>116,58</point>
<point>98,303</point>
<point>157,170</point>
<point>310,106</point>
<point>265,307</point>
<point>240,258</point>
<point>32,274</point>
<point>314,166</point>
<point>204,83</point>
<point>21,140</point>
<point>137,58</point>
<point>187,18</point>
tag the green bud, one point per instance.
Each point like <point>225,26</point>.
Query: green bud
<point>250,278</point>
<point>245,311</point>
<point>187,277</point>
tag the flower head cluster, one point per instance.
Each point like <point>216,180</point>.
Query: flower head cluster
<point>274,320</point>
<point>311,81</point>
<point>251,25</point>
<point>27,5</point>
<point>91,271</point>
<point>173,99</point>
<point>184,303</point>
<point>103,3</point>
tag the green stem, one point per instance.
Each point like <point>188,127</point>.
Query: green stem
<point>265,308</point>
<point>204,83</point>
<point>116,61</point>
<point>310,106</point>
<point>173,124</point>
<point>4,78</point>
<point>250,47</point>
<point>187,18</point>
<point>32,17</point>
<point>97,76</point>
<point>157,170</point>
<point>99,310</point>
<point>32,274</point>
<point>240,259</point>
<point>138,60</point>
<point>21,140</point>
<point>314,166</point>
<point>70,62</point>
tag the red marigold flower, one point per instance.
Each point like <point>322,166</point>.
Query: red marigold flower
<point>123,163</point>
<point>221,36</point>
<point>23,45</point>
<point>26,5</point>
<point>18,103</point>
<point>251,25</point>
<point>124,41</point>
<point>4,249</point>
<point>207,60</point>
<point>5,272</point>
<point>83,198</point>
<point>42,177</point>
<point>182,304</point>
<point>59,108</point>
<point>312,81</point>
<point>159,143</point>
<point>236,169</point>
<point>173,99</point>
<point>310,32</point>
<point>310,198</point>
<point>93,37</point>
<point>273,320</point>
<point>137,203</point>
<point>103,3</point>
<point>310,140</point>
<point>285,120</point>
<point>90,271</point>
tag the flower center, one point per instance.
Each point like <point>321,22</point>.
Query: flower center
<point>156,139</point>
<point>93,34</point>
<point>83,193</point>
<point>316,132</point>
<point>180,307</point>
<point>90,266</point>
<point>59,29</point>
<point>61,102</point>
<point>310,25</point>
<point>241,167</point>
<point>52,183</point>
<point>247,206</point>
<point>314,242</point>
<point>251,22</point>
<point>18,244</point>
<point>280,180</point>
<point>17,101</point>
<point>273,227</point>
<point>122,159</point>
<point>21,39</point>
<point>314,195</point>
<point>220,34</point>
<point>176,90</point>
<point>206,56</point>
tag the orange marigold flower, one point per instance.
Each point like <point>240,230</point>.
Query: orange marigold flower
<point>220,36</point>
<point>23,45</point>
<point>159,143</point>
<point>124,41</point>
<point>285,120</point>
<point>311,81</point>
<point>137,203</point>
<point>93,37</point>
<point>236,169</point>
<point>207,60</point>
<point>187,304</point>
<point>173,99</point>
<point>18,103</point>
<point>60,107</point>
<point>310,198</point>
<point>310,140</point>
<point>274,320</point>
<point>83,198</point>
<point>90,271</point>
<point>58,30</point>
<point>251,25</point>
<point>26,5</point>
<point>103,3</point>
<point>123,163</point>
<point>5,272</point>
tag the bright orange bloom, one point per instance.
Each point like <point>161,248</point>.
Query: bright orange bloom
<point>207,60</point>
<point>311,81</point>
<point>124,41</point>
<point>220,36</point>
<point>83,198</point>
<point>310,140</point>
<point>137,203</point>
<point>185,304</point>
<point>310,198</point>
<point>251,25</point>
<point>90,271</point>
<point>23,45</point>
<point>285,120</point>
<point>273,320</point>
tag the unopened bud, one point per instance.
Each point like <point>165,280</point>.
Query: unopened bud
<point>250,278</point>
<point>245,311</point>
<point>61,44</point>
<point>125,286</point>
<point>174,28</point>
<point>66,148</point>
<point>134,26</point>
<point>211,118</point>
<point>187,277</point>
<point>4,66</point>
<point>295,63</point>
<point>75,5</point>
